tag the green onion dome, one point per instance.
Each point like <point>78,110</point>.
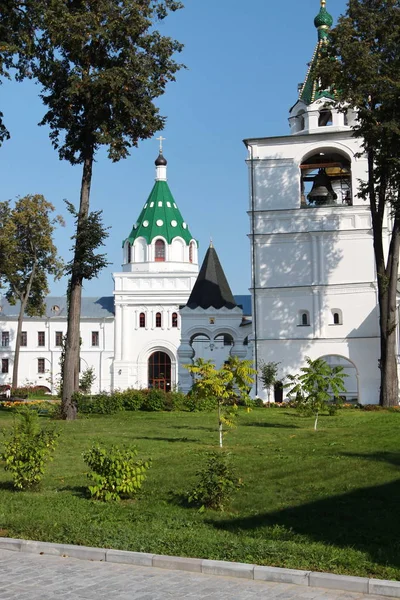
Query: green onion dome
<point>323,19</point>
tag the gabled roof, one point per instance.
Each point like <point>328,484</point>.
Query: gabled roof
<point>56,308</point>
<point>211,287</point>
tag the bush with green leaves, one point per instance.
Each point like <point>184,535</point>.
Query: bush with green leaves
<point>131,399</point>
<point>27,449</point>
<point>101,404</point>
<point>154,400</point>
<point>116,472</point>
<point>216,483</point>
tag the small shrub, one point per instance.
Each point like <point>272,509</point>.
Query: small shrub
<point>217,482</point>
<point>101,404</point>
<point>175,401</point>
<point>27,450</point>
<point>116,472</point>
<point>194,403</point>
<point>154,400</point>
<point>131,399</point>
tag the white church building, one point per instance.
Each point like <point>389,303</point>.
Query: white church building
<point>163,314</point>
<point>313,290</point>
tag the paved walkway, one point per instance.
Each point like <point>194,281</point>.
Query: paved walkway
<point>34,577</point>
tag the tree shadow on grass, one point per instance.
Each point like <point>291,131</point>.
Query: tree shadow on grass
<point>199,427</point>
<point>166,439</point>
<point>8,486</point>
<point>79,491</point>
<point>365,519</point>
<point>272,425</point>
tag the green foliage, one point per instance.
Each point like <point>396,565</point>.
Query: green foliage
<point>87,379</point>
<point>131,399</point>
<point>267,373</point>
<point>361,64</point>
<point>100,404</point>
<point>27,256</point>
<point>90,235</point>
<point>227,386</point>
<point>175,400</point>
<point>317,384</point>
<point>216,483</point>
<point>116,472</point>
<point>154,400</point>
<point>27,449</point>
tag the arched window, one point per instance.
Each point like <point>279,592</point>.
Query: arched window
<point>325,118</point>
<point>158,319</point>
<point>159,251</point>
<point>174,320</point>
<point>336,317</point>
<point>304,318</point>
<point>191,252</point>
<point>129,257</point>
<point>142,320</point>
<point>326,179</point>
<point>301,121</point>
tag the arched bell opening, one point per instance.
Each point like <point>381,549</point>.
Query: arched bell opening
<point>326,180</point>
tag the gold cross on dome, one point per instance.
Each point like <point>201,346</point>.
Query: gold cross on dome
<point>161,139</point>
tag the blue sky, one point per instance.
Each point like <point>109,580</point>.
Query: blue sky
<point>244,61</point>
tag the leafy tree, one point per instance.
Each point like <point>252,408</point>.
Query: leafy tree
<point>87,380</point>
<point>268,372</point>
<point>101,64</point>
<point>27,256</point>
<point>16,44</point>
<point>317,384</point>
<point>363,61</point>
<point>228,384</point>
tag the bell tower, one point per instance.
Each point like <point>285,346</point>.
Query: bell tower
<point>313,276</point>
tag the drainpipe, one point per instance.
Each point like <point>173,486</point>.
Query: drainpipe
<point>253,249</point>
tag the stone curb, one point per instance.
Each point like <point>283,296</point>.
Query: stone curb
<point>211,567</point>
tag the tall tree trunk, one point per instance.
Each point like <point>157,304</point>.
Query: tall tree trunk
<point>24,302</point>
<point>387,294</point>
<point>387,276</point>
<point>70,373</point>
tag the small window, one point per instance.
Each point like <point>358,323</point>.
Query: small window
<point>191,253</point>
<point>304,318</point>
<point>325,118</point>
<point>4,365</point>
<point>40,365</point>
<point>159,251</point>
<point>59,338</point>
<point>95,338</point>
<point>41,338</point>
<point>158,320</point>
<point>142,320</point>
<point>5,338</point>
<point>174,320</point>
<point>336,317</point>
<point>24,338</point>
<point>129,253</point>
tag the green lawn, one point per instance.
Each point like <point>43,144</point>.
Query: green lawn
<point>326,500</point>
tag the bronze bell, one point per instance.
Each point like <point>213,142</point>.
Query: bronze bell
<point>322,191</point>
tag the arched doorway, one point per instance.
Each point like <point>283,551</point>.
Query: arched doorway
<point>160,371</point>
<point>349,369</point>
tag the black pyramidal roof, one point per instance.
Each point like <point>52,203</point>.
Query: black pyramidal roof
<point>211,287</point>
